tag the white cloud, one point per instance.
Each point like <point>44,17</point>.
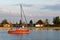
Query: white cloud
<point>7,11</point>
<point>34,11</point>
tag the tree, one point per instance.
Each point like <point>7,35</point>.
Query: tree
<point>10,23</point>
<point>46,22</point>
<point>56,20</point>
<point>4,21</point>
<point>31,23</point>
<point>16,23</point>
<point>24,24</point>
<point>20,22</point>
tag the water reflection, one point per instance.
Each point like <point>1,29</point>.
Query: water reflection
<point>33,35</point>
<point>39,29</point>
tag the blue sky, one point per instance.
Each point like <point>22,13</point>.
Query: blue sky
<point>34,9</point>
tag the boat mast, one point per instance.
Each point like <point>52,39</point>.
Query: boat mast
<point>21,13</point>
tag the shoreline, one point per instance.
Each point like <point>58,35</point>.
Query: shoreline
<point>34,28</point>
<point>45,28</point>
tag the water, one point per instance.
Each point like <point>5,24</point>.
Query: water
<point>33,35</point>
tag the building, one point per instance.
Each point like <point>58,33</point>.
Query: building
<point>39,23</point>
<point>6,25</point>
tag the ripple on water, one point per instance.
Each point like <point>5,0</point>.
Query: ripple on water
<point>33,35</point>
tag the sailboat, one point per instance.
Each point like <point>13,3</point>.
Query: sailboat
<point>19,30</point>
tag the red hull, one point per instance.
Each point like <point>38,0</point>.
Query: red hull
<point>22,31</point>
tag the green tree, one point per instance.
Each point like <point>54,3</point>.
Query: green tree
<point>46,22</point>
<point>20,22</point>
<point>4,21</point>
<point>10,23</point>
<point>56,20</point>
<point>16,23</point>
<point>31,23</point>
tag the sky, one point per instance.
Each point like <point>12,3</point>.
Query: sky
<point>33,10</point>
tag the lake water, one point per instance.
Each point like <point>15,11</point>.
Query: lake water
<point>33,35</point>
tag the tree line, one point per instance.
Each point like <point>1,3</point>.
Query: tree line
<point>56,22</point>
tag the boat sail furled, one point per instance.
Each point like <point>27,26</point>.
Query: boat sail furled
<point>19,30</point>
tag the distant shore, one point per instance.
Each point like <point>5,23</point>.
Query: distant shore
<point>45,28</point>
<point>4,28</point>
<point>34,28</point>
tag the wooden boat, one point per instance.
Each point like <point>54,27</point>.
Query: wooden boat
<point>19,30</point>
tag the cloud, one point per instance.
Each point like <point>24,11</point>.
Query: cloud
<point>7,11</point>
<point>40,10</point>
<point>52,7</point>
